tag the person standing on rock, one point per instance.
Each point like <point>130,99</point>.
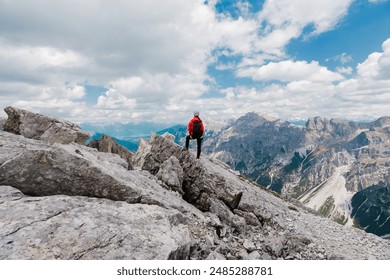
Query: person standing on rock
<point>195,131</point>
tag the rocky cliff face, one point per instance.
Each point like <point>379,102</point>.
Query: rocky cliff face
<point>322,164</point>
<point>371,210</point>
<point>70,201</point>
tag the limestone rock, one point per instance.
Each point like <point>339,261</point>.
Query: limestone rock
<point>248,245</point>
<point>171,173</point>
<point>63,227</point>
<point>243,255</point>
<point>215,256</point>
<point>255,255</point>
<point>151,154</point>
<point>37,126</point>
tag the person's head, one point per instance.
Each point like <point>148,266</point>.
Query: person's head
<point>196,113</point>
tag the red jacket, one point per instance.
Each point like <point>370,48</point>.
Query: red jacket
<point>191,125</point>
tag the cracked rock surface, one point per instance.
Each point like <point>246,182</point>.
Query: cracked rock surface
<point>64,227</point>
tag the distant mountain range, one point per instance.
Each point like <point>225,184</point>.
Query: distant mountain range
<point>327,164</point>
<point>128,134</point>
<point>131,146</point>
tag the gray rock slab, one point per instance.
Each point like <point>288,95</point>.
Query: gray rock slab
<point>45,128</point>
<point>64,227</point>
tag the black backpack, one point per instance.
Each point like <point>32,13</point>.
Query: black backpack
<point>197,129</point>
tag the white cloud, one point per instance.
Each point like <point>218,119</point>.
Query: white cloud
<point>344,70</point>
<point>113,100</point>
<point>285,20</point>
<point>324,15</point>
<point>33,58</point>
<point>288,70</point>
<point>377,65</point>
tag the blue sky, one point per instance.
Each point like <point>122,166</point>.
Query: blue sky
<point>361,32</point>
<point>141,60</point>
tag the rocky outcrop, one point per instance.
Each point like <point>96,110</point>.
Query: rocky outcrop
<point>41,127</point>
<point>108,144</point>
<point>69,201</point>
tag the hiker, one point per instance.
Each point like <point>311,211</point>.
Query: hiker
<point>195,131</point>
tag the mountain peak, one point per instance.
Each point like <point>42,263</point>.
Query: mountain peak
<point>262,116</point>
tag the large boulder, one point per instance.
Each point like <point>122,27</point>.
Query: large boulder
<point>152,153</point>
<point>108,144</point>
<point>45,128</point>
<point>64,227</point>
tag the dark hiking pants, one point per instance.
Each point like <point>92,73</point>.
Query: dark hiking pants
<point>198,142</point>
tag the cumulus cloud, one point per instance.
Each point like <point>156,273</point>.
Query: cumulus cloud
<point>377,65</point>
<point>286,20</point>
<point>344,70</point>
<point>291,71</point>
<point>324,15</point>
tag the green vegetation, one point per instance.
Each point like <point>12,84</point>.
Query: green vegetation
<point>297,192</point>
<point>342,220</point>
<point>327,207</point>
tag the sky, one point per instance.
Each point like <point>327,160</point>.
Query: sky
<point>147,60</point>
